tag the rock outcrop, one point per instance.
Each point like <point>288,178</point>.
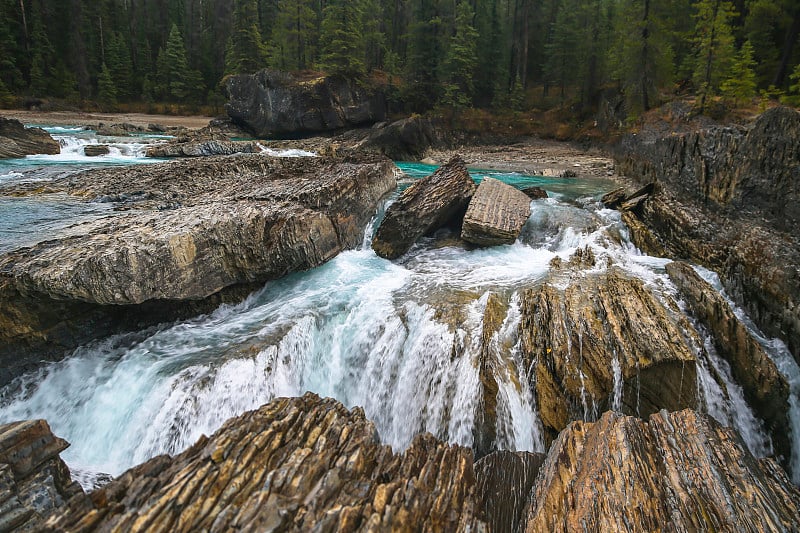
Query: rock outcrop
<point>604,335</point>
<point>273,104</point>
<point>18,141</point>
<point>765,388</point>
<point>192,232</point>
<point>309,464</point>
<point>496,214</point>
<point>535,193</point>
<point>424,207</point>
<point>33,479</point>
<point>727,199</point>
<point>677,472</point>
<point>407,139</point>
<point>301,464</point>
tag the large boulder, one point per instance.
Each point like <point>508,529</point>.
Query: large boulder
<point>34,480</point>
<point>193,233</point>
<point>18,141</point>
<point>424,207</point>
<point>604,341</point>
<point>679,471</point>
<point>765,388</point>
<point>301,464</point>
<point>406,139</point>
<point>273,104</point>
<point>95,150</point>
<point>495,214</point>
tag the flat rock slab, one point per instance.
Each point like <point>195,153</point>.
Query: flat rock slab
<point>429,204</point>
<point>18,141</point>
<point>495,214</point>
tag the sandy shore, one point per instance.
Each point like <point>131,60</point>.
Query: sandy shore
<point>72,118</point>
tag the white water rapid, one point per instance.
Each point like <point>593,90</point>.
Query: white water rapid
<point>402,339</point>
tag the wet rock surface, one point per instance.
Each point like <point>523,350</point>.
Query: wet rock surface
<point>496,214</point>
<point>678,471</point>
<point>33,479</point>
<point>188,147</point>
<point>309,464</point>
<point>766,389</point>
<point>424,207</point>
<point>601,336</point>
<point>191,232</point>
<point>18,141</point>
<point>271,103</point>
<point>727,199</point>
<point>300,464</point>
<point>94,150</point>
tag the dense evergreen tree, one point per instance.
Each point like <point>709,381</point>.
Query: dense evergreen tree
<point>246,52</point>
<point>715,46</point>
<point>740,84</point>
<point>294,35</point>
<point>341,39</point>
<point>106,88</point>
<point>461,60</point>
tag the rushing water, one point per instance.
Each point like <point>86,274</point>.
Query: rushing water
<point>400,338</point>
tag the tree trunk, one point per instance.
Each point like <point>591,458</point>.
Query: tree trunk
<point>788,47</point>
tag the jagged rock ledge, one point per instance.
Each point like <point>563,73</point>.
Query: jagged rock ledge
<point>193,233</point>
<point>307,464</point>
<point>18,141</point>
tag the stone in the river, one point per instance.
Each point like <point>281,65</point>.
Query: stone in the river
<point>94,150</point>
<point>678,471</point>
<point>407,139</point>
<point>427,205</point>
<point>203,148</point>
<point>504,480</point>
<point>766,390</point>
<point>535,193</point>
<point>571,339</point>
<point>270,103</point>
<point>33,479</point>
<point>194,232</point>
<point>18,141</point>
<point>495,214</point>
<point>300,464</point>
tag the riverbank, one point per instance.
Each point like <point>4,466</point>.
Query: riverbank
<point>77,118</point>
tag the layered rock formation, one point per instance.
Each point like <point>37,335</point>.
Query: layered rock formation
<point>94,150</point>
<point>297,464</point>
<point>18,141</point>
<point>33,479</point>
<point>727,198</point>
<point>192,232</point>
<point>424,207</point>
<point>496,214</point>
<point>185,147</point>
<point>308,464</point>
<point>273,104</point>
<point>677,472</point>
<point>765,388</point>
<point>604,335</point>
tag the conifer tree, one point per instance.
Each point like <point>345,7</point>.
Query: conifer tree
<point>106,90</point>
<point>422,89</point>
<point>341,39</point>
<point>715,46</point>
<point>461,60</point>
<point>118,56</point>
<point>294,35</point>
<point>177,66</point>
<point>246,52</point>
<point>741,82</point>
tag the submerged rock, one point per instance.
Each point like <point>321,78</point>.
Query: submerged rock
<point>33,479</point>
<point>271,103</point>
<point>194,233</point>
<point>496,214</point>
<point>427,205</point>
<point>677,472</point>
<point>764,386</point>
<point>18,141</point>
<point>535,193</point>
<point>300,464</point>
<point>603,336</point>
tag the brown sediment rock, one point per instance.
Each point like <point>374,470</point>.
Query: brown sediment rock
<point>678,471</point>
<point>203,148</point>
<point>424,207</point>
<point>571,338</point>
<point>18,141</point>
<point>765,388</point>
<point>94,150</point>
<point>535,193</point>
<point>194,231</point>
<point>504,480</point>
<point>298,464</point>
<point>33,479</point>
<point>496,214</point>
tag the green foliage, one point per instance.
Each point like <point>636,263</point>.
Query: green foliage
<point>422,89</point>
<point>740,85</point>
<point>106,89</point>
<point>461,60</point>
<point>118,57</point>
<point>294,35</point>
<point>715,46</point>
<point>341,39</point>
<point>245,52</point>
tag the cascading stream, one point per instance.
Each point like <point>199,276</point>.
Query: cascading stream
<point>402,339</point>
